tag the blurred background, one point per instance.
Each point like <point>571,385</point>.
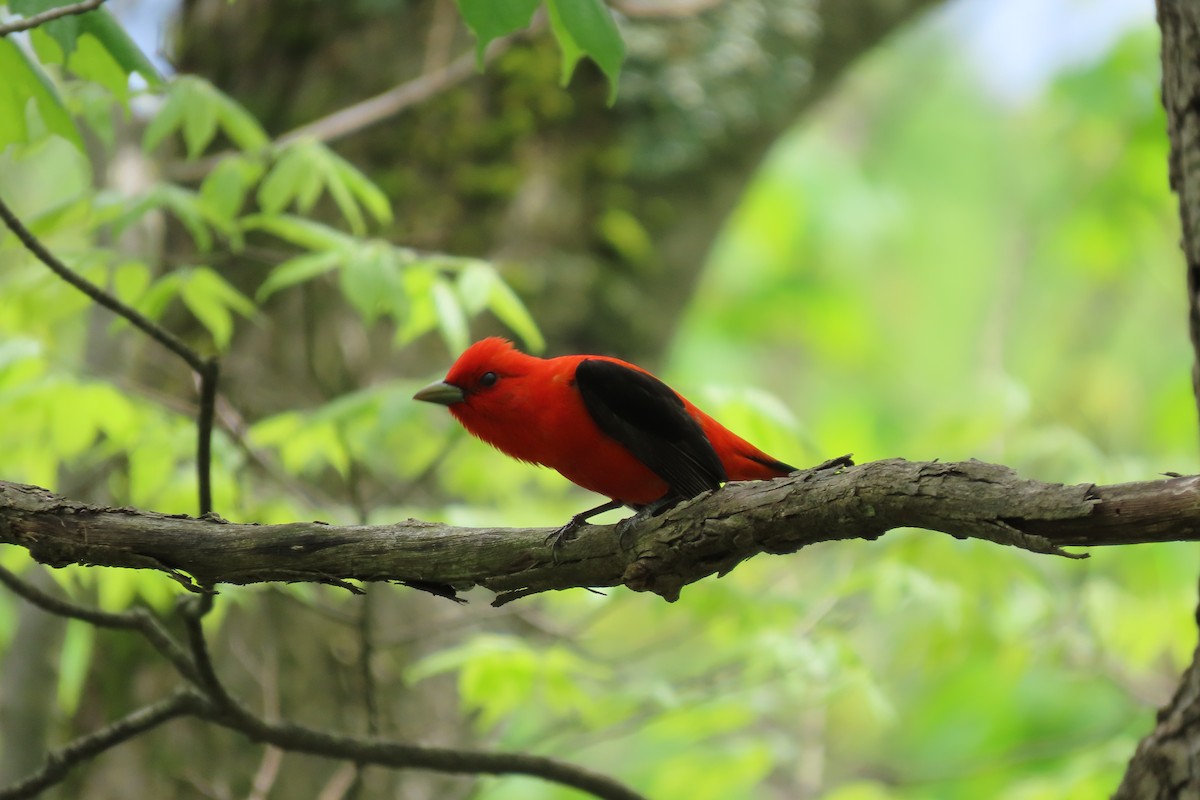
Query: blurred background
<point>879,227</point>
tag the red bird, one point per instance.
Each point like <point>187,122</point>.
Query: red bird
<point>604,424</point>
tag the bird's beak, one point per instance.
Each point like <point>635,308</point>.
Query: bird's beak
<point>446,394</point>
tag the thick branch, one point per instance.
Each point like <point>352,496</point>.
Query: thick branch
<point>708,535</point>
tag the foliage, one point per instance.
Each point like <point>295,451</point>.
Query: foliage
<point>923,273</point>
<point>582,28</point>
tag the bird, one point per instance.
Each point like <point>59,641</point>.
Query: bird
<point>602,423</point>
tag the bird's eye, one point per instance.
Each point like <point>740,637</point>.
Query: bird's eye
<point>488,379</point>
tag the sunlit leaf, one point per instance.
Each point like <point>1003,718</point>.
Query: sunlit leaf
<point>508,308</point>
<point>23,84</point>
<point>298,270</point>
<point>370,279</point>
<point>474,286</point>
<point>168,119</point>
<point>199,122</point>
<point>212,299</point>
<point>299,231</point>
<point>224,189</point>
<point>450,318</point>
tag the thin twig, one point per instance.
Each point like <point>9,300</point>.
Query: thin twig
<point>193,610</point>
<point>227,711</point>
<point>29,23</point>
<point>204,430</point>
<point>209,699</point>
<point>135,317</point>
<point>137,619</point>
<point>371,111</point>
<point>205,368</point>
<point>59,762</point>
<point>400,755</point>
<point>663,9</point>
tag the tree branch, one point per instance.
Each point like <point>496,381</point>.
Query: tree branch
<point>708,535</point>
<point>1164,764</point>
<point>137,619</point>
<point>59,762</point>
<point>365,113</point>
<point>208,699</point>
<point>50,15</point>
<point>205,368</point>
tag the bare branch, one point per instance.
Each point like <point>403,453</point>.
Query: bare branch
<point>59,762</point>
<point>28,23</point>
<point>137,619</point>
<point>663,9</point>
<point>373,110</point>
<point>386,753</point>
<point>205,368</point>
<point>708,535</point>
<point>225,710</point>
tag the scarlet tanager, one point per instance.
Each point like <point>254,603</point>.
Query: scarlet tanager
<point>604,424</point>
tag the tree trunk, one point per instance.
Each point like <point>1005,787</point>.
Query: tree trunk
<point>1167,762</point>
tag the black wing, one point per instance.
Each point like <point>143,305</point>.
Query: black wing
<point>648,418</point>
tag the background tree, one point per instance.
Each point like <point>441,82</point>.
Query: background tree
<point>1005,231</point>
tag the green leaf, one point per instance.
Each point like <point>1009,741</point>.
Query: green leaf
<point>215,318</point>
<point>297,270</point>
<point>299,231</point>
<point>224,189</point>
<point>24,81</point>
<point>286,180</point>
<point>64,30</point>
<point>67,32</point>
<point>159,295</point>
<point>184,204</point>
<point>491,19</point>
<point>364,190</point>
<point>120,46</point>
<point>239,124</point>
<point>342,196</point>
<point>211,298</point>
<point>199,121</point>
<point>200,109</point>
<point>168,119</point>
<point>130,281</point>
<point>370,279</point>
<point>509,309</point>
<point>306,167</point>
<point>92,62</point>
<point>420,314</point>
<point>586,27</point>
<point>475,286</point>
<point>450,318</point>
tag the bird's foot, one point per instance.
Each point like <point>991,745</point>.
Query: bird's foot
<point>560,536</point>
<point>630,524</point>
<point>557,538</point>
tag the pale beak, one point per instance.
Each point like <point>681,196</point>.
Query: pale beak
<point>446,394</point>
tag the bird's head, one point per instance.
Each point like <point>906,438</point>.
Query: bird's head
<point>481,382</point>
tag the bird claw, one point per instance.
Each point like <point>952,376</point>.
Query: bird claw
<point>557,538</point>
<point>630,524</point>
<point>625,526</point>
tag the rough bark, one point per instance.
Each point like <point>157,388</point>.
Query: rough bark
<point>1166,764</point>
<point>711,534</point>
